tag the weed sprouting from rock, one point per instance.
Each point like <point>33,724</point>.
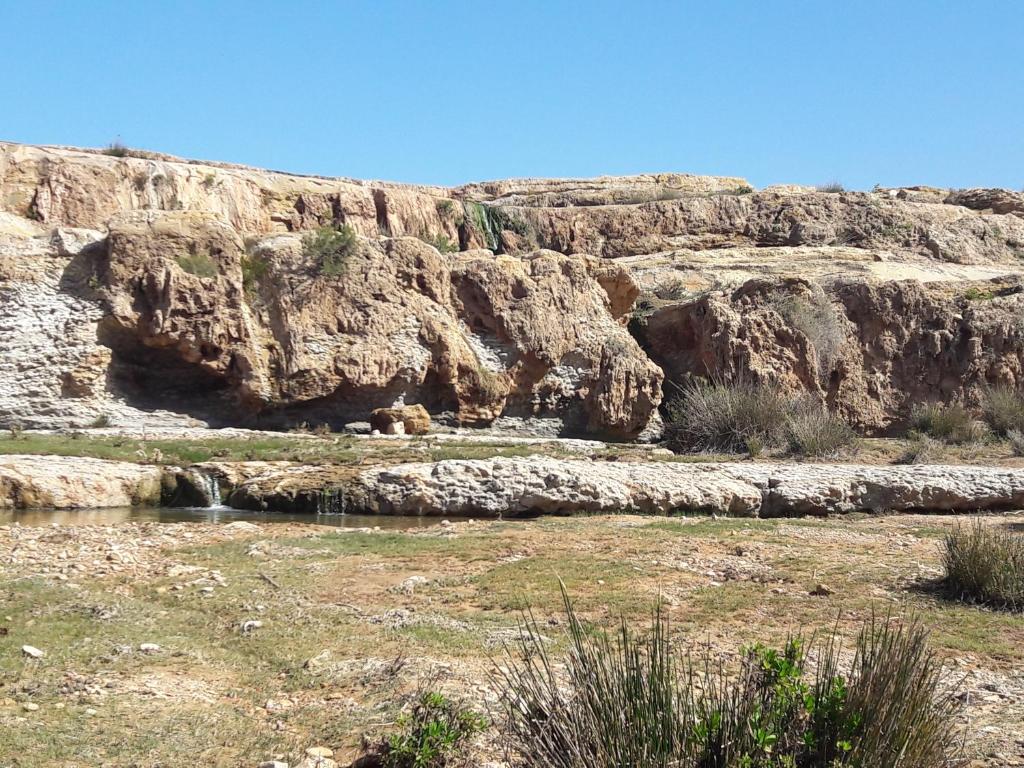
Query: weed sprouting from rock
<point>330,248</point>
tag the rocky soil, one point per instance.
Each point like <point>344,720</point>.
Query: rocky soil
<point>253,643</point>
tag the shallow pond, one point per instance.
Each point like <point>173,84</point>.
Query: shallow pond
<point>199,515</point>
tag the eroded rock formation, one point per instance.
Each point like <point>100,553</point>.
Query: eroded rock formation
<point>147,289</point>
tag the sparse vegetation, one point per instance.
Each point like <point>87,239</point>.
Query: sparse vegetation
<point>330,248</point>
<point>442,242</point>
<point>198,264</point>
<point>921,449</point>
<point>632,699</point>
<point>978,294</point>
<point>100,422</point>
<point>117,149</point>
<point>985,564</point>
<point>445,207</point>
<point>819,319</point>
<point>746,189</point>
<point>832,187</point>
<point>1003,409</point>
<point>1016,438</point>
<point>744,417</point>
<point>721,416</point>
<point>432,735</point>
<point>814,431</point>
<point>948,423</point>
<point>254,268</point>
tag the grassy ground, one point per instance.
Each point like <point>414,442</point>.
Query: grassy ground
<point>347,449</point>
<point>345,636</point>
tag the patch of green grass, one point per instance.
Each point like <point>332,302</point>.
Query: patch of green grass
<point>978,294</point>
<point>198,264</point>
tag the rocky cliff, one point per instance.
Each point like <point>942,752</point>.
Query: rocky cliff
<point>144,288</point>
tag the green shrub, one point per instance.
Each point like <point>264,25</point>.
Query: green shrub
<point>633,700</point>
<point>985,564</point>
<point>198,264</point>
<point>813,430</point>
<point>1003,409</point>
<point>948,423</point>
<point>330,248</point>
<point>745,189</point>
<point>433,735</point>
<point>101,421</point>
<point>832,186</point>
<point>254,268</point>
<point>978,294</point>
<point>719,416</point>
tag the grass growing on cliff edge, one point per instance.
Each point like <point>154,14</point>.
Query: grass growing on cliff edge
<point>633,699</point>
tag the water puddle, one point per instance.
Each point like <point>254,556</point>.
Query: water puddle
<point>216,514</point>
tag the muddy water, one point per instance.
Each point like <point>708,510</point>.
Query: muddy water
<point>196,515</point>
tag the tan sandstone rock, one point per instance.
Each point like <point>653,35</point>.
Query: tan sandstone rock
<point>414,419</point>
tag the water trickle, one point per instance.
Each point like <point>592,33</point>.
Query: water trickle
<point>330,501</point>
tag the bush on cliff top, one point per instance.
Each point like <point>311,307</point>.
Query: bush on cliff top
<point>634,699</point>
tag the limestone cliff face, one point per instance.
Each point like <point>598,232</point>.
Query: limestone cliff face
<point>177,324</point>
<point>148,288</point>
<point>871,350</point>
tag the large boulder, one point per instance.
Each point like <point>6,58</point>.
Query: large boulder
<point>415,420</point>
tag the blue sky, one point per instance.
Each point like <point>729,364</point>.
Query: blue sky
<point>863,92</point>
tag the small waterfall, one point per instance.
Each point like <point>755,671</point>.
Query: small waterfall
<point>200,489</point>
<point>330,501</point>
<point>213,488</point>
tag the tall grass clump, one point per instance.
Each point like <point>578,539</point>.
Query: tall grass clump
<point>948,423</point>
<point>1003,409</point>
<point>819,319</point>
<point>631,699</point>
<point>812,430</point>
<point>985,564</point>
<point>745,417</point>
<point>330,248</point>
<point>721,416</point>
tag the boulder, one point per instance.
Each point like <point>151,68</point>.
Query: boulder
<point>414,419</point>
<point>74,482</point>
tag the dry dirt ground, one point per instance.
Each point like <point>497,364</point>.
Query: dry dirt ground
<point>351,622</point>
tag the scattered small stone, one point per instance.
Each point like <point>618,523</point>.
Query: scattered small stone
<point>821,590</point>
<point>149,648</point>
<point>319,752</point>
<point>91,712</point>
<point>273,764</point>
<point>30,707</point>
<point>32,652</point>
<point>251,624</point>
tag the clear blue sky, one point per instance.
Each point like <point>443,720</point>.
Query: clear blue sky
<point>859,91</point>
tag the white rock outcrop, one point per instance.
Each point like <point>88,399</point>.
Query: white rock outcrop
<point>76,482</point>
<point>540,485</point>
